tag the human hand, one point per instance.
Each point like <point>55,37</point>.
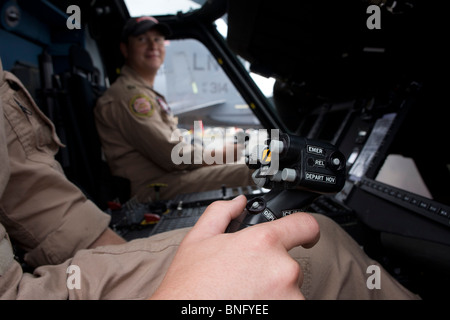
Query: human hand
<point>252,263</point>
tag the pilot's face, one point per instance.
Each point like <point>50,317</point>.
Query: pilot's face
<point>145,52</point>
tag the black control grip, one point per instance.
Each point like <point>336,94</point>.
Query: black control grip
<point>297,170</point>
<point>273,205</point>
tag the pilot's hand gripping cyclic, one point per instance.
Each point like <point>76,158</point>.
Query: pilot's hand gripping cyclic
<point>297,170</point>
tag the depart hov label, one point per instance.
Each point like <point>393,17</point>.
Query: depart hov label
<point>318,177</point>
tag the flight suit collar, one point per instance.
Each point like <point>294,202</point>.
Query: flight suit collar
<point>129,73</point>
<point>13,83</point>
<point>133,78</point>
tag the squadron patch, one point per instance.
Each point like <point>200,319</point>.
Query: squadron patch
<point>141,105</point>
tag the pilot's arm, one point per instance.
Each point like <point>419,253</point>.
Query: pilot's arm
<point>144,125</point>
<point>46,215</point>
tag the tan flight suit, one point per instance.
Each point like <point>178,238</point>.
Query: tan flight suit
<point>136,126</point>
<point>44,212</point>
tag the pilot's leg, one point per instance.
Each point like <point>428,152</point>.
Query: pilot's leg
<point>337,268</point>
<point>201,179</point>
<point>213,177</point>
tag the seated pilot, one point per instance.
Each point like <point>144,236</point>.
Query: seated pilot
<point>135,125</point>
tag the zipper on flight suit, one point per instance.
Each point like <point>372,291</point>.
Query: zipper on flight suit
<point>24,109</point>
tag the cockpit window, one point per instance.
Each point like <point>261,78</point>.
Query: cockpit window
<point>168,7</point>
<point>197,88</point>
<point>264,84</point>
<point>191,79</point>
<point>161,7</point>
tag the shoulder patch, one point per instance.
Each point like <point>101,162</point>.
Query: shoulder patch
<point>142,106</point>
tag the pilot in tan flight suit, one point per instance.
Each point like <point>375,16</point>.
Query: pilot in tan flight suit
<point>135,125</point>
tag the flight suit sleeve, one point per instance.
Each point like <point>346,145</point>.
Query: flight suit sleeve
<point>132,270</point>
<point>145,129</point>
<point>45,214</point>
